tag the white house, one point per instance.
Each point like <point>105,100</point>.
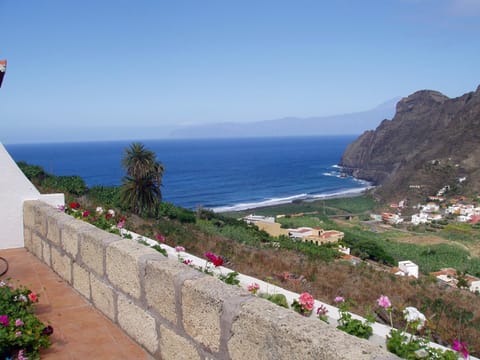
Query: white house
<point>252,219</point>
<point>474,285</point>
<point>431,207</point>
<point>421,218</point>
<point>409,268</point>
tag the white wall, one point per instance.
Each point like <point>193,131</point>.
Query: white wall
<point>15,188</point>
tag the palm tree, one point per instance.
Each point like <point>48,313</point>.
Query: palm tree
<point>140,191</point>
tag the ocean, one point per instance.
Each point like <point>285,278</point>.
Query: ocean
<point>221,174</point>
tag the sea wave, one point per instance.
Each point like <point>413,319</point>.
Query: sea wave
<point>290,199</point>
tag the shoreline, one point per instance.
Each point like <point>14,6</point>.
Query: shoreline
<point>304,198</point>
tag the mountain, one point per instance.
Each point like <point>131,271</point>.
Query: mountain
<point>431,142</point>
<point>354,123</point>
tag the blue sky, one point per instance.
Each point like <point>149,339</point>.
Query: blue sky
<point>76,67</point>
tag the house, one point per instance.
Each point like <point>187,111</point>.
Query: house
<point>421,218</point>
<point>316,235</point>
<point>392,219</point>
<point>475,219</point>
<point>351,259</point>
<point>252,219</point>
<point>436,198</point>
<point>473,283</point>
<point>447,276</point>
<point>431,207</point>
<point>409,268</point>
<point>301,232</point>
<point>344,250</point>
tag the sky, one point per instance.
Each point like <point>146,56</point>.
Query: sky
<point>80,70</point>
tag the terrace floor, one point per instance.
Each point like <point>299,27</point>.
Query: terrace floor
<point>80,331</point>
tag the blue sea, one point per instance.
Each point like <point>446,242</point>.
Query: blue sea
<point>221,174</point>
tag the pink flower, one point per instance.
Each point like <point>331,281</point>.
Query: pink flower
<point>121,224</point>
<point>18,322</point>
<point>306,301</point>
<point>20,355</point>
<point>187,261</point>
<point>384,302</point>
<point>61,208</point>
<point>253,288</point>
<point>4,320</point>
<point>216,260</point>
<point>179,248</point>
<point>85,213</point>
<point>339,299</point>
<point>210,256</point>
<point>461,347</point>
<point>33,297</point>
<point>18,333</point>
<point>160,238</point>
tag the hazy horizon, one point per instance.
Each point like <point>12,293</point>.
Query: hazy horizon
<point>80,69</point>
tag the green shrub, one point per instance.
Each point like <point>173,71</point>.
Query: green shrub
<point>278,299</point>
<point>108,196</point>
<point>70,184</point>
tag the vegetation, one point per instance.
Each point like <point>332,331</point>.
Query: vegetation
<point>48,183</point>
<point>140,191</point>
<point>246,249</point>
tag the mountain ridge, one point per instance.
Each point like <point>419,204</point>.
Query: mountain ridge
<point>432,141</point>
<point>356,122</point>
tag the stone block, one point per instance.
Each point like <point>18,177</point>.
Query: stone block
<point>46,253</point>
<point>92,249</point>
<point>36,246</point>
<point>137,323</point>
<point>62,265</point>
<point>263,330</point>
<point>70,235</point>
<point>203,300</point>
<point>27,238</point>
<point>81,280</point>
<point>176,347</point>
<point>123,265</point>
<point>54,224</point>
<point>103,297</point>
<point>159,283</point>
<point>40,218</point>
<point>29,213</point>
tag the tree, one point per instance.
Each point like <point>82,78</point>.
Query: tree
<point>140,191</point>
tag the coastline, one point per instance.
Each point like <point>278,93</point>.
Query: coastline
<point>303,198</point>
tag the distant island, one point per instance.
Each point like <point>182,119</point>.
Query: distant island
<point>351,124</point>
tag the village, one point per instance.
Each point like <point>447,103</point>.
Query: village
<point>437,210</point>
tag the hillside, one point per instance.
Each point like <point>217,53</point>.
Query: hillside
<point>432,141</point>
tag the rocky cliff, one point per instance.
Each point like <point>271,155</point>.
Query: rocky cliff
<point>432,141</point>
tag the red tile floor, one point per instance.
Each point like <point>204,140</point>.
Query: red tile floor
<point>80,331</point>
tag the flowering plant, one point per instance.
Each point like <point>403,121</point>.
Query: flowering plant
<point>322,313</point>
<point>253,288</point>
<point>22,335</point>
<point>214,259</point>
<point>304,304</point>
<point>461,347</point>
<point>405,345</point>
<point>350,325</point>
